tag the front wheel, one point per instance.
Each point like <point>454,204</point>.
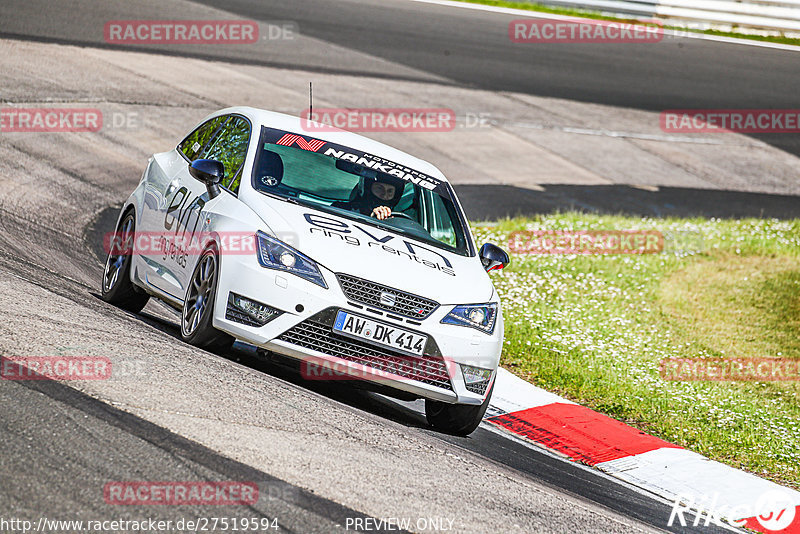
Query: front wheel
<point>458,419</point>
<point>198,306</point>
<point>117,286</point>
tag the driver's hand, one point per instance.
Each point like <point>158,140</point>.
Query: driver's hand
<point>382,212</point>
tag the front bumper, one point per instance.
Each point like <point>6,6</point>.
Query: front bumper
<point>304,331</point>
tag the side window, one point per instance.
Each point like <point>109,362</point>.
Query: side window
<point>230,147</point>
<point>192,146</point>
<point>439,222</point>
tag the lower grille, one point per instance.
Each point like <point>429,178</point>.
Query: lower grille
<point>232,314</point>
<point>478,388</point>
<point>314,333</point>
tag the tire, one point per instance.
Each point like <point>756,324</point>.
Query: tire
<point>458,419</point>
<point>198,306</point>
<point>117,288</point>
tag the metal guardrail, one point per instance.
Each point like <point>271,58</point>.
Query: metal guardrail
<point>776,15</point>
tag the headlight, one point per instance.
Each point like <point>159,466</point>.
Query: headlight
<point>480,316</point>
<point>274,254</point>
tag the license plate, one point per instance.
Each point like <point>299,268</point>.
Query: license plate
<point>380,333</point>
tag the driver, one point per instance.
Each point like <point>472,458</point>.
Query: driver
<point>375,196</point>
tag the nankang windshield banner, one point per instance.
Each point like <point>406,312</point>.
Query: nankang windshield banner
<point>359,157</point>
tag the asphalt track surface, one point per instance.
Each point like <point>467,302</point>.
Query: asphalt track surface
<point>54,467</point>
<point>391,40</point>
<point>471,48</point>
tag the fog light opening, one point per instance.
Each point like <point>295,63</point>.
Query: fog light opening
<point>476,379</point>
<point>258,312</point>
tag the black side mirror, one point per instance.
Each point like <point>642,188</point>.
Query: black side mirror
<point>210,172</point>
<point>493,257</point>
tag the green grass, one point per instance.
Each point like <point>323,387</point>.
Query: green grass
<point>595,327</point>
<point>529,6</point>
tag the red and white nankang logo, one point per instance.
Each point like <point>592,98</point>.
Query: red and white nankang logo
<point>290,139</point>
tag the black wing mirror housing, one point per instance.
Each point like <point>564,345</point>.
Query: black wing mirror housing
<point>493,257</point>
<point>210,172</point>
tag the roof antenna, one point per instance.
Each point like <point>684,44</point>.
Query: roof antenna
<point>310,102</point>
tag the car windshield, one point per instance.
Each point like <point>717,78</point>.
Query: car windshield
<point>347,188</point>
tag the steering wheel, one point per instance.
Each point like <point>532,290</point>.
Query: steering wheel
<point>401,214</point>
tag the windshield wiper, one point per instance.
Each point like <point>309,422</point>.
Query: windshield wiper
<point>291,200</point>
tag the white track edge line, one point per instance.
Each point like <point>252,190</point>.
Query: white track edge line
<point>553,16</point>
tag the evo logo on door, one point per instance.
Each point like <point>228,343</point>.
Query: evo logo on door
<point>181,204</point>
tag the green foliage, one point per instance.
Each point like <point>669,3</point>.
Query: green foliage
<point>594,328</point>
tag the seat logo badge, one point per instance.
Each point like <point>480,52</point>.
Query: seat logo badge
<point>388,299</point>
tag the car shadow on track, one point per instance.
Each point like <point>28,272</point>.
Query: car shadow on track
<point>163,318</point>
<point>350,393</point>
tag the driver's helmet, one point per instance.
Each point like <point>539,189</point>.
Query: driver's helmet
<point>365,191</point>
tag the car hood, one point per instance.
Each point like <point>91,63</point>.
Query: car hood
<point>347,246</point>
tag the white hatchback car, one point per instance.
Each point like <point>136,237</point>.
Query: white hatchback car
<point>342,252</point>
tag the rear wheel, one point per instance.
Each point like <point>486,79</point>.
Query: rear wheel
<point>458,419</point>
<point>198,306</point>
<point>117,286</point>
